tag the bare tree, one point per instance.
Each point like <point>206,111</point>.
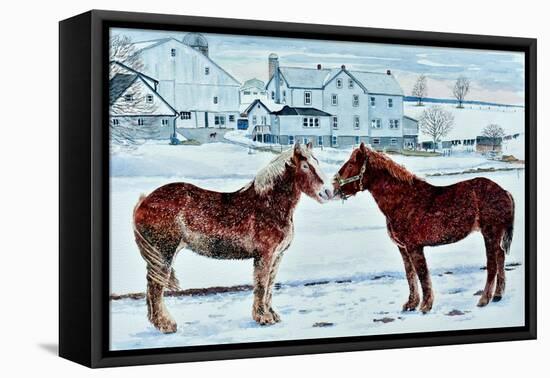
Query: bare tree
<point>137,98</point>
<point>121,49</point>
<point>495,132</point>
<point>436,122</point>
<point>420,89</point>
<point>461,89</point>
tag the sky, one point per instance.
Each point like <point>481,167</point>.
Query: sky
<point>496,76</point>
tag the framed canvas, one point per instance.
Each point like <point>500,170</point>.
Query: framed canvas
<point>237,188</point>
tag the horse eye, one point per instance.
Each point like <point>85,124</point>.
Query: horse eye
<point>305,166</point>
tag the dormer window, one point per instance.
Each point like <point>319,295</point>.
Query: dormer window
<point>207,70</point>
<point>172,52</point>
<point>338,83</point>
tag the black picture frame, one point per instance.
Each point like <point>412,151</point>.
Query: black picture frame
<point>84,188</point>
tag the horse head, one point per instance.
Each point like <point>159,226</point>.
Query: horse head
<point>351,177</point>
<point>310,180</point>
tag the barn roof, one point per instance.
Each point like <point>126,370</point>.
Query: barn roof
<point>293,111</point>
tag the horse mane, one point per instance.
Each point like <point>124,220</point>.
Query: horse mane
<point>265,179</point>
<point>379,160</point>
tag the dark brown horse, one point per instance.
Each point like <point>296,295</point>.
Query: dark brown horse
<point>254,222</point>
<point>419,214</point>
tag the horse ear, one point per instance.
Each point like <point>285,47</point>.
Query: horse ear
<point>309,146</point>
<point>297,149</point>
<point>363,148</point>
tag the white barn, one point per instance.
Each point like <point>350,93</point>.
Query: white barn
<point>203,93</point>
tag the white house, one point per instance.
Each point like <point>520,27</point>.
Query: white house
<point>138,111</point>
<point>364,106</point>
<point>253,89</point>
<point>203,93</point>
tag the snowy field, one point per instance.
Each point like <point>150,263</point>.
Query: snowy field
<point>342,276</point>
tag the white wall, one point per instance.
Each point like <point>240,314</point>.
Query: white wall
<point>30,177</point>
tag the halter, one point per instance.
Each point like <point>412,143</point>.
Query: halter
<point>358,177</point>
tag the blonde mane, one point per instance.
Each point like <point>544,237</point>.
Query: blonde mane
<point>379,160</point>
<point>266,177</point>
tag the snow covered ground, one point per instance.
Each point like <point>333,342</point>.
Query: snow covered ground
<point>342,275</point>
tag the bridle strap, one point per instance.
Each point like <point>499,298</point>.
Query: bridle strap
<point>358,177</point>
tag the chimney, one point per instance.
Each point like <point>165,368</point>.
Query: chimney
<point>388,72</point>
<point>274,73</point>
<point>319,67</point>
<point>343,66</point>
<point>273,62</point>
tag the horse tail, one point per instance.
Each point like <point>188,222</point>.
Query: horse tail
<point>156,264</point>
<point>509,231</point>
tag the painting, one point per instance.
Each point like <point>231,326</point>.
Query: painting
<point>267,189</point>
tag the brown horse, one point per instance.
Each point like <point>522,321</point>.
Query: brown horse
<point>254,222</point>
<point>419,214</point>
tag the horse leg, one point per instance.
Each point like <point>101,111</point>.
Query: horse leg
<point>421,268</point>
<point>269,296</point>
<point>501,276</point>
<point>493,249</point>
<point>262,272</point>
<point>414,298</point>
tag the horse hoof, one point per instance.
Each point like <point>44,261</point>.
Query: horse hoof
<point>425,308</point>
<point>483,301</point>
<point>276,317</point>
<point>167,327</point>
<point>410,306</point>
<point>265,319</point>
<point>497,298</point>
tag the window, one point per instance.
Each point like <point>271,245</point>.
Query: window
<point>351,83</point>
<point>305,140</point>
<point>273,95</point>
<point>115,122</point>
<point>334,99</point>
<point>215,99</point>
<point>394,123</point>
<point>393,141</point>
<point>356,122</point>
<point>172,52</point>
<point>320,140</point>
<point>357,140</point>
<point>264,120</point>
<point>219,120</point>
<point>338,83</point>
<point>284,96</point>
<point>246,93</point>
<point>207,70</point>
<point>291,139</point>
<point>334,141</point>
<point>149,99</point>
<point>334,122</point>
<point>140,121</point>
<point>255,93</point>
<point>310,122</point>
<point>307,98</point>
<point>373,101</point>
<point>128,97</point>
<point>355,100</point>
<point>254,120</point>
<point>164,122</point>
<point>185,115</point>
<point>375,141</point>
<point>376,124</point>
<point>231,118</point>
<point>390,102</point>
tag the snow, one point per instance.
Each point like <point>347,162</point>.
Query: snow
<point>470,121</point>
<point>333,242</point>
<point>515,147</point>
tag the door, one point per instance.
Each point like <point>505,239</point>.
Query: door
<point>205,119</point>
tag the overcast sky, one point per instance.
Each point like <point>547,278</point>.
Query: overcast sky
<point>497,76</point>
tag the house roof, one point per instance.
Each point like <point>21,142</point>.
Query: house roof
<point>118,85</point>
<point>145,45</point>
<point>130,69</point>
<point>253,83</point>
<point>372,82</point>
<point>411,118</point>
<point>292,111</point>
<point>269,105</point>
